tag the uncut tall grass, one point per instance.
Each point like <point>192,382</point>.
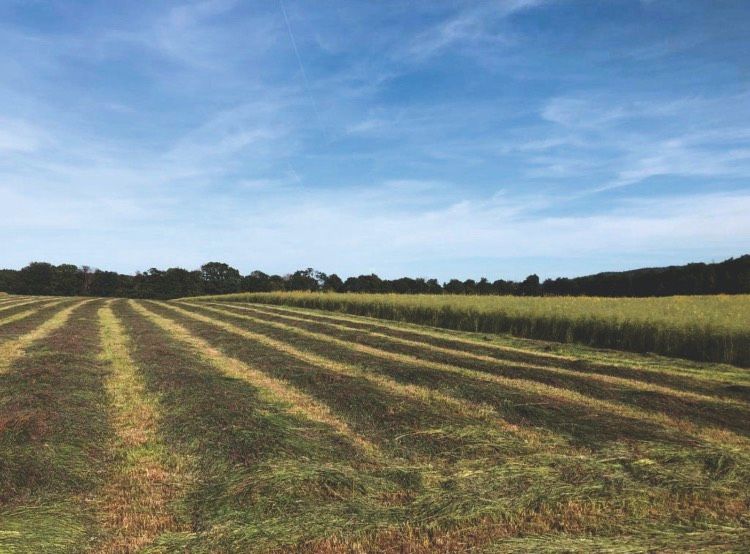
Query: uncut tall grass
<point>703,328</point>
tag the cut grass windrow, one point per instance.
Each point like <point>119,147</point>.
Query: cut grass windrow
<point>713,328</point>
<point>468,354</point>
<point>135,506</point>
<point>299,403</point>
<point>700,408</point>
<point>406,420</point>
<point>466,409</point>
<point>18,316</point>
<point>266,478</point>
<point>542,390</point>
<point>13,349</point>
<point>549,413</point>
<point>479,488</point>
<point>413,331</point>
<point>53,425</point>
<point>16,304</point>
<point>598,429</point>
<point>139,426</point>
<point>15,329</point>
<point>4,301</point>
<point>686,376</point>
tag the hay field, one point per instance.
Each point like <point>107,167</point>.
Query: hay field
<point>712,328</point>
<point>195,426</point>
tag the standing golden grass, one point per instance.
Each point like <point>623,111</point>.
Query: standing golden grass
<point>703,328</point>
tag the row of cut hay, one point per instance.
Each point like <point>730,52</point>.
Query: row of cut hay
<point>42,325</point>
<point>659,470</point>
<point>146,477</point>
<point>53,421</point>
<point>276,352</point>
<point>540,390</point>
<point>21,321</point>
<point>713,379</point>
<point>701,408</point>
<point>700,328</point>
<point>268,478</point>
<point>299,403</point>
<point>456,356</point>
<point>15,323</point>
<point>13,307</point>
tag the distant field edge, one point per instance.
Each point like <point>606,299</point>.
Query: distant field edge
<point>700,328</point>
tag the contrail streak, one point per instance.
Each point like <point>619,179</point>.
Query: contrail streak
<point>299,61</point>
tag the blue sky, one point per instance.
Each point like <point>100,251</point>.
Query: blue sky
<point>403,138</point>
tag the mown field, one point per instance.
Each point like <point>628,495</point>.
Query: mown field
<point>196,426</point>
<point>704,328</point>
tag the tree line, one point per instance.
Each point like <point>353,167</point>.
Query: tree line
<point>40,278</point>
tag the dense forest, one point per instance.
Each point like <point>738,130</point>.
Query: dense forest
<point>728,277</point>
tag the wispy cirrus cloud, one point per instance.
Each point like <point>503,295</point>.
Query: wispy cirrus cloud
<point>19,136</point>
<point>635,140</point>
<point>184,131</point>
<point>355,231</point>
<point>479,25</point>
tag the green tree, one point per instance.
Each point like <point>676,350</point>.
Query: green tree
<point>67,280</point>
<point>305,279</point>
<point>333,283</point>
<point>37,278</point>
<point>531,286</point>
<point>220,278</point>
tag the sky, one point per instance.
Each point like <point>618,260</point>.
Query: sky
<point>422,138</point>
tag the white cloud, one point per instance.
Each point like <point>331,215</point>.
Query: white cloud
<point>677,159</point>
<point>469,27</point>
<point>634,140</point>
<point>351,230</point>
<point>20,137</point>
<point>367,126</point>
<point>195,154</point>
<point>347,234</point>
<point>594,111</point>
<point>254,130</point>
<point>258,184</point>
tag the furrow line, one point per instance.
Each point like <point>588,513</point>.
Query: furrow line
<point>299,403</point>
<point>708,434</point>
